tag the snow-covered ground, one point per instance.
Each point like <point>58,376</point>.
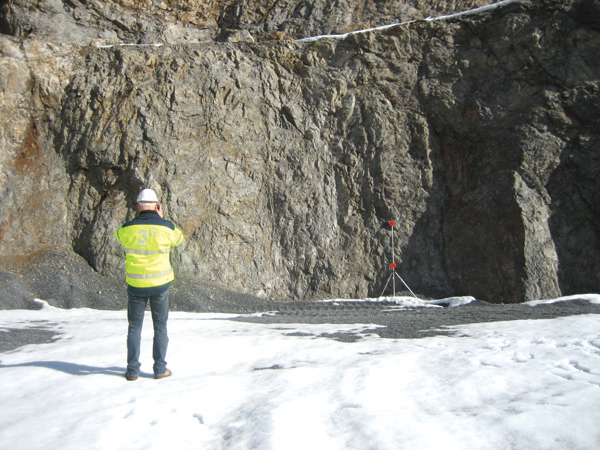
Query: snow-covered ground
<point>237,385</point>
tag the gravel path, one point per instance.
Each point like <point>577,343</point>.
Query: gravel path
<point>391,321</point>
<point>68,282</point>
<point>415,323</point>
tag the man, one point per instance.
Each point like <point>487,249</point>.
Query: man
<point>147,240</point>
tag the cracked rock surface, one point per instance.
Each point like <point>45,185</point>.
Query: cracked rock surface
<point>284,161</point>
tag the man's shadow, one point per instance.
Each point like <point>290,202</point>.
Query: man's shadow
<point>75,369</point>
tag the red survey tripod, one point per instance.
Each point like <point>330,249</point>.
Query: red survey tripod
<point>394,274</point>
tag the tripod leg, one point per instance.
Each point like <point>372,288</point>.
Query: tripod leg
<point>386,285</point>
<point>403,282</point>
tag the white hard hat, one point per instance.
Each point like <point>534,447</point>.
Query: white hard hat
<point>147,196</point>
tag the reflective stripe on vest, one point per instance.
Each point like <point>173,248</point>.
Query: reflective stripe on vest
<point>135,251</point>
<point>147,276</point>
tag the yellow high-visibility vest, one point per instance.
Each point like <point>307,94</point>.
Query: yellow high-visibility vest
<point>148,240</point>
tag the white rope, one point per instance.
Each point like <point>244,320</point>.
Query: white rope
<point>428,19</point>
<point>382,27</point>
<point>132,45</point>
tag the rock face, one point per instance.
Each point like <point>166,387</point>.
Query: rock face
<point>82,22</point>
<point>284,161</point>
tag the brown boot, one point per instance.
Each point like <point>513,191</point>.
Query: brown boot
<point>131,377</point>
<point>167,373</point>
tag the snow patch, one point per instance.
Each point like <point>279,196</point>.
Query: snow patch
<point>411,302</point>
<point>592,298</point>
<point>517,384</point>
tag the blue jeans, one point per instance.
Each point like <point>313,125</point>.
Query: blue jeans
<point>159,306</point>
